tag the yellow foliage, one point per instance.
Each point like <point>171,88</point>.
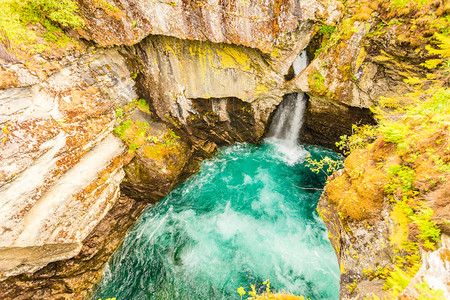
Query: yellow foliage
<point>268,294</point>
<point>401,220</point>
<point>358,193</point>
<point>413,80</point>
<point>432,63</point>
<point>444,44</point>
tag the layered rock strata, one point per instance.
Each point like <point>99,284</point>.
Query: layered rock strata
<point>60,164</point>
<point>252,24</point>
<point>211,74</point>
<point>64,173</point>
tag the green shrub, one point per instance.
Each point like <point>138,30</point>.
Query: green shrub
<point>361,137</point>
<point>16,15</point>
<point>326,165</point>
<point>400,177</point>
<point>62,12</point>
<point>393,132</point>
<point>327,30</point>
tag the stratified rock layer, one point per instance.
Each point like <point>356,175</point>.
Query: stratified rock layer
<point>173,72</point>
<point>72,278</point>
<point>252,24</point>
<point>60,165</point>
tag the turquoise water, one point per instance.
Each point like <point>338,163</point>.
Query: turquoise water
<point>244,218</point>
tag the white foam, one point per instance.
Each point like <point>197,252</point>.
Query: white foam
<point>286,152</point>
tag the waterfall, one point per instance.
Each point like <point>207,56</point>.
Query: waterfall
<point>288,119</point>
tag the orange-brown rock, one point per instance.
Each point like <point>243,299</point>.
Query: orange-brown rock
<point>252,24</point>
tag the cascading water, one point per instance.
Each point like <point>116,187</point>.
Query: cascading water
<point>288,119</point>
<point>247,216</point>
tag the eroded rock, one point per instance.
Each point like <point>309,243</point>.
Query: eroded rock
<point>252,24</point>
<point>381,230</point>
<point>325,121</point>
<point>176,73</point>
<point>73,277</point>
<point>159,160</point>
<point>61,166</point>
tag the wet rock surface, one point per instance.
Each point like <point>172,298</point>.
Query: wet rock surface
<point>325,121</point>
<point>174,72</point>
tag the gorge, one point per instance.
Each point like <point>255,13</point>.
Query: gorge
<point>241,219</point>
<point>106,106</point>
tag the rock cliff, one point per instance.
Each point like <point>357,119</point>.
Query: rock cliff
<point>387,209</point>
<point>100,120</point>
<point>105,119</point>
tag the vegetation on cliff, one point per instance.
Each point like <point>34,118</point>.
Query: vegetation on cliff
<point>32,26</point>
<point>268,294</point>
<point>402,165</point>
<point>409,159</point>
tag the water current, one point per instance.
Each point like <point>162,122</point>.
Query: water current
<point>247,216</point>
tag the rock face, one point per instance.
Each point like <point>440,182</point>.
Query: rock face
<point>72,278</point>
<point>369,245</point>
<point>176,73</point>
<point>359,247</point>
<point>158,163</point>
<point>327,120</point>
<point>247,23</point>
<point>61,171</point>
<point>60,165</point>
<point>390,239</point>
<point>76,140</point>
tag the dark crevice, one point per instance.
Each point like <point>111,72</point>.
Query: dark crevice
<point>325,122</point>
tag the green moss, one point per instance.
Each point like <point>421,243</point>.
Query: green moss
<point>143,106</point>
<point>133,133</point>
<point>106,6</point>
<point>163,146</point>
<point>140,104</point>
<point>316,82</point>
<point>119,113</point>
<point>62,12</point>
<point>426,293</point>
<point>327,29</point>
<point>15,16</point>
<point>403,3</point>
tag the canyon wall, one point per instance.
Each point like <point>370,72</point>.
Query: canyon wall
<point>387,210</point>
<point>94,133</point>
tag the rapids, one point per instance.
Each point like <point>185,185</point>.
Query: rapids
<point>247,216</point>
